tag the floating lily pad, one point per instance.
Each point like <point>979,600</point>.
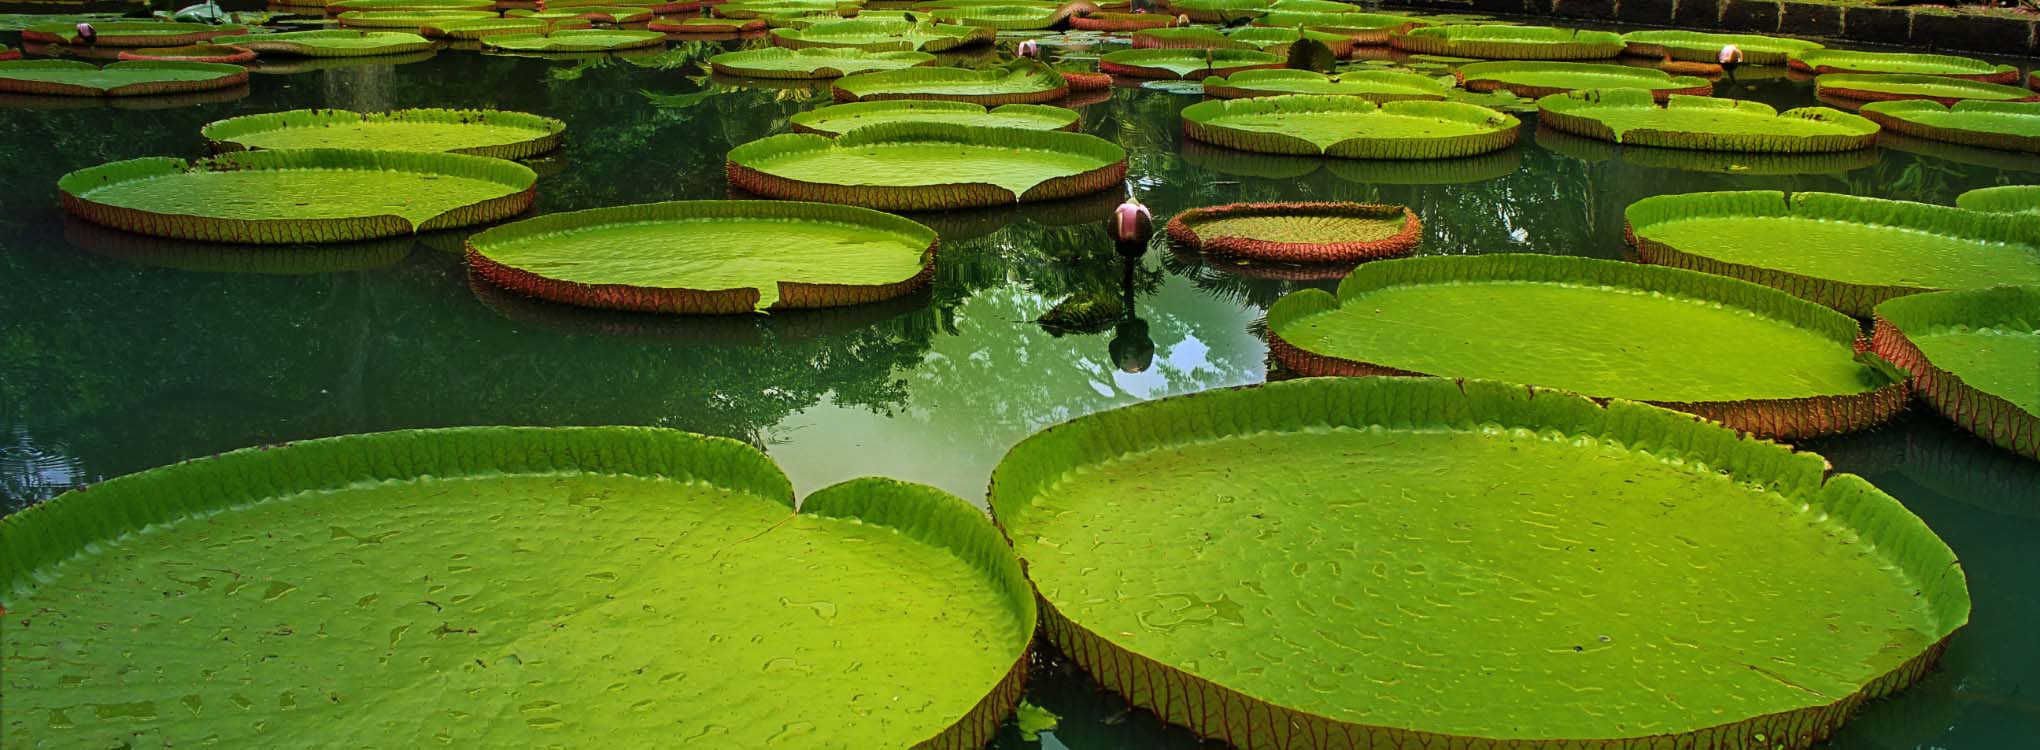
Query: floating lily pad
<point>1016,17</point>
<point>1189,37</point>
<point>2008,199</point>
<point>1121,21</point>
<point>1187,64</point>
<point>131,33</point>
<point>575,40</point>
<point>1219,11</point>
<point>132,78</point>
<point>1847,252</point>
<point>691,26</point>
<point>812,62</point>
<point>1972,354</point>
<point>414,20</point>
<point>504,135</point>
<point>1289,552</point>
<point>2012,126</point>
<point>661,7</point>
<point>347,5</point>
<point>476,29</point>
<point>1594,150</point>
<point>298,65</point>
<point>709,257</point>
<point>9,53</point>
<point>1350,127</point>
<point>596,13</point>
<point>1510,42</point>
<point>298,196</point>
<point>1704,123</point>
<point>1377,86</point>
<point>884,36</point>
<point>767,8</point>
<point>332,43</point>
<point>205,53</point>
<point>660,580</point>
<point>1371,29</point>
<point>1300,232</point>
<point>1491,166</point>
<point>1277,41</point>
<point>928,166</point>
<point>1753,358</point>
<point>1022,82</point>
<point>1877,88</point>
<point>1825,61</point>
<point>1541,79</point>
<point>841,118</point>
<point>1696,46</point>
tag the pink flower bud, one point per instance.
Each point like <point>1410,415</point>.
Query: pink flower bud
<point>1131,222</point>
<point>1028,49</point>
<point>1730,54</point>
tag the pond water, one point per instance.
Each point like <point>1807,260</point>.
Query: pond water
<point>120,353</point>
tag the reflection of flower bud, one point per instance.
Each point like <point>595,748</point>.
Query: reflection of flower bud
<point>1730,54</point>
<point>1131,348</point>
<point>1028,49</point>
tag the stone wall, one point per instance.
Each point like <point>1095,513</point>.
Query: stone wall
<point>1881,25</point>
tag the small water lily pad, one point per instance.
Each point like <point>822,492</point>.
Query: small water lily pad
<point>1350,127</point>
<point>501,134</point>
<point>1704,123</point>
<point>1510,42</point>
<point>1299,232</point>
<point>332,43</point>
<point>928,166</point>
<point>1022,82</point>
<point>575,40</point>
<point>1825,61</point>
<point>812,62</point>
<point>2012,126</point>
<point>1972,354</point>
<point>1188,64</point>
<point>131,78</point>
<point>131,33</point>
<point>1877,88</point>
<point>1698,46</point>
<point>841,118</point>
<point>1540,79</point>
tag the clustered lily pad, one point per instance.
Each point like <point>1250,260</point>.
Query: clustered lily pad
<point>1847,252</point>
<point>207,53</point>
<point>662,581</point>
<point>409,5</point>
<point>597,13</point>
<point>1540,79</point>
<point>1299,232</point>
<point>1121,21</point>
<point>9,53</point>
<point>415,20</point>
<point>1022,82</point>
<point>299,195</point>
<point>132,33</point>
<point>130,78</point>
<point>475,30</point>
<point>575,40</point>
<point>1270,603</point>
<point>884,36</point>
<point>1371,29</point>
<point>1594,150</point>
<point>1510,42</point>
<point>841,118</point>
<point>1972,355</point>
<point>812,62</point>
<point>691,26</point>
<point>1219,11</point>
<point>1277,40</point>
<point>1350,127</point>
<point>2012,126</point>
<point>496,133</point>
<point>1897,86</point>
<point>927,166</point>
<point>708,257</point>
<point>1704,47</point>
<point>1704,123</point>
<point>1377,86</point>
<point>1187,64</point>
<point>1189,37</point>
<point>2009,199</point>
<point>1825,61</point>
<point>332,43</point>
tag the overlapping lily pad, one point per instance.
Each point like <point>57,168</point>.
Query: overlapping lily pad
<point>581,585</point>
<point>1223,559</point>
<point>2012,126</point>
<point>1377,86</point>
<point>131,78</point>
<point>613,14</point>
<point>475,30</point>
<point>884,36</point>
<point>1972,354</point>
<point>928,166</point>
<point>1121,21</point>
<point>1372,29</point>
<point>208,53</point>
<point>1022,82</point>
<point>298,196</point>
<point>1510,42</point>
<point>1186,64</point>
<point>2008,199</point>
<point>131,33</point>
<point>1219,11</point>
<point>709,257</point>
<point>841,118</point>
<point>332,43</point>
<point>1015,17</point>
<point>707,26</point>
<point>414,20</point>
<point>1825,61</point>
<point>1350,127</point>
<point>1704,123</point>
<point>1847,252</point>
<point>1299,232</point>
<point>1698,46</point>
<point>1892,87</point>
<point>343,6</point>
<point>575,40</point>
<point>764,9</point>
<point>813,62</point>
<point>1753,358</point>
<point>1743,163</point>
<point>497,133</point>
<point>1540,79</point>
<point>1189,37</point>
<point>1278,40</point>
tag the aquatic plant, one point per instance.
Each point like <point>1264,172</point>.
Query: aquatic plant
<point>884,36</point>
<point>1540,79</point>
<point>1350,127</point>
<point>1299,232</point>
<point>928,166</point>
<point>1186,64</point>
<point>331,43</point>
<point>1703,123</point>
<point>1377,86</point>
<point>1370,29</point>
<point>130,78</point>
<point>2012,126</point>
<point>479,132</point>
<point>707,25</point>
<point>414,20</point>
<point>1020,82</point>
<point>575,40</point>
<point>1121,21</point>
<point>1972,355</point>
<point>812,62</point>
<point>1510,42</point>
<point>1896,86</point>
<point>207,53</point>
<point>837,119</point>
<point>1705,47</point>
<point>131,33</point>
<point>2010,199</point>
<point>1218,11</point>
<point>1825,61</point>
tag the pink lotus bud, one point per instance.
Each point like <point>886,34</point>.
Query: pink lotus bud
<point>1131,222</point>
<point>1730,54</point>
<point>87,33</point>
<point>1182,20</point>
<point>1028,49</point>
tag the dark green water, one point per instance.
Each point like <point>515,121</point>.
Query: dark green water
<point>120,353</point>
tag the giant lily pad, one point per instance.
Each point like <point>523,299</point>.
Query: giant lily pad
<point>707,26</point>
<point>1889,87</point>
<point>1350,127</point>
<point>1847,252</point>
<point>1704,123</point>
<point>614,14</point>
<point>1376,86</point>
<point>1824,61</point>
<point>504,135</point>
<point>928,166</point>
<point>475,30</point>
<point>884,36</point>
<point>131,78</point>
<point>1972,354</point>
<point>2013,126</point>
<point>1219,11</point>
<point>347,5</point>
<point>1278,41</point>
<point>1540,79</point>
<point>1753,358</point>
<point>1744,163</point>
<point>1430,563</point>
<point>413,20</point>
<point>1189,37</point>
<point>575,40</point>
<point>1023,82</point>
<point>211,53</point>
<point>767,8</point>
<point>2009,199</point>
<point>332,43</point>
<point>1510,42</point>
<point>298,196</point>
<point>1121,21</point>
<point>812,62</point>
<point>509,587</point>
<point>841,118</point>
<point>1363,28</point>
<point>1299,232</point>
<point>131,33</point>
<point>1697,46</point>
<point>713,257</point>
<point>1188,64</point>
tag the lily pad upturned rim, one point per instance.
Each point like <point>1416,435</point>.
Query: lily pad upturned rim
<point>934,196</point>
<point>574,40</point>
<point>1182,229</point>
<point>1213,710</point>
<point>518,181</point>
<point>546,132</point>
<point>1972,405</point>
<point>51,533</point>
<point>817,120</point>
<point>1904,116</point>
<point>1147,63</point>
<point>1778,418</point>
<point>1247,84</point>
<point>692,26</point>
<point>1482,77</point>
<point>792,295</point>
<point>820,62</point>
<point>132,33</point>
<point>210,53</point>
<point>947,36</point>
<point>1832,61</point>
<point>1204,121</point>
<point>2010,199</point>
<point>308,43</point>
<point>413,20</point>
<point>1121,21</point>
<point>1021,82</point>
<point>1701,46</point>
<point>1510,42</point>
<point>1574,113</point>
<point>224,76</point>
<point>1881,87</point>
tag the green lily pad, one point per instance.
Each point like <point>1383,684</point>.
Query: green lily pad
<point>1482,168</point>
<point>766,8</point>
<point>1594,151</point>
<point>813,62</point>
<point>1372,29</point>
<point>884,36</point>
<point>130,78</point>
<point>1376,86</point>
<point>1188,37</point>
<point>1704,123</point>
<point>1510,42</point>
<point>596,13</point>
<point>709,257</point>
<point>1825,61</point>
<point>1121,21</point>
<point>2012,126</point>
<point>1972,356</point>
<point>509,587</point>
<point>1698,46</point>
<point>476,29</point>
<point>1333,232</point>
<point>1180,88</point>
<point>575,40</point>
<point>504,135</point>
<point>1846,252</point>
<point>707,25</point>
<point>298,196</point>
<point>131,33</point>
<point>2009,199</point>
<point>1016,17</point>
<point>1432,561</point>
<point>332,43</point>
<point>1754,358</point>
<point>1022,82</point>
<point>347,5</point>
<point>209,53</point>
<point>1187,64</point>
<point>1540,79</point>
<point>1904,86</point>
<point>1350,127</point>
<point>1219,11</point>
<point>414,20</point>
<point>928,166</point>
<point>841,118</point>
<point>298,65</point>
<point>9,53</point>
<point>1278,40</point>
